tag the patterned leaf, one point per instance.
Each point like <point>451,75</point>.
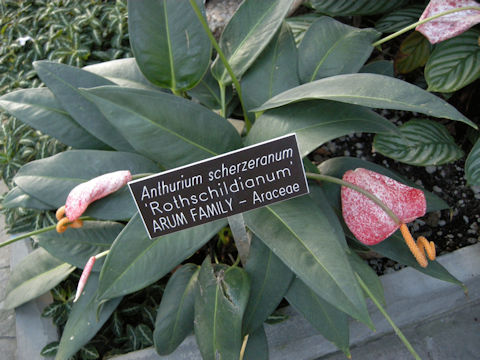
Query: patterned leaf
<point>454,63</point>
<point>472,165</point>
<point>422,142</point>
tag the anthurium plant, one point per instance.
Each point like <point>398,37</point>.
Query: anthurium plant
<point>172,104</point>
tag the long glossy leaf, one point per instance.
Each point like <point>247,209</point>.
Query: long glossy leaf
<point>421,142</point>
<point>19,198</point>
<point>270,279</point>
<point>257,345</point>
<point>399,18</point>
<point>50,180</point>
<point>39,109</point>
<point>396,249</point>
<point>164,127</point>
<point>84,321</point>
<point>64,81</point>
<point>176,311</point>
<point>330,48</point>
<point>77,246</point>
<point>220,302</point>
<point>357,7</point>
<point>37,273</point>
<point>413,53</point>
<point>371,90</point>
<point>368,276</point>
<point>297,227</point>
<point>317,122</point>
<point>248,32</point>
<point>454,63</point>
<point>136,261</point>
<point>327,319</point>
<point>272,72</point>
<point>123,72</point>
<point>338,166</point>
<point>168,41</point>
<point>472,165</point>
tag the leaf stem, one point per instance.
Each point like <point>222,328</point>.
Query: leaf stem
<point>244,346</point>
<point>414,25</point>
<point>376,200</point>
<point>221,55</point>
<point>223,109</point>
<point>36,232</point>
<point>390,321</point>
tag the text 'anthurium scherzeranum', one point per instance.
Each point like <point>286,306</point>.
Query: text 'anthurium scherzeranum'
<point>371,224</point>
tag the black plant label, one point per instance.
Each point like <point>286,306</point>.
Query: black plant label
<point>215,188</point>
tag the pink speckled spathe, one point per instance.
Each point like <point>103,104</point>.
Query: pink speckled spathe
<point>366,220</point>
<point>448,26</point>
<point>85,193</point>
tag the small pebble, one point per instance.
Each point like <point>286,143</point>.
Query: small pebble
<point>437,189</point>
<point>430,169</point>
<point>442,223</point>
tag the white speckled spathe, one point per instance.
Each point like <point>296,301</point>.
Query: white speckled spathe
<point>366,220</point>
<point>85,193</point>
<point>448,26</point>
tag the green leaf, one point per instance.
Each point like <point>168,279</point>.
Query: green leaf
<point>83,322</point>
<point>421,142</point>
<point>272,72</point>
<point>37,273</point>
<point>357,7</point>
<point>39,109</point>
<point>123,72</point>
<point>133,337</point>
<point>176,311</point>
<point>413,53</point>
<point>50,349</point>
<point>136,261</point>
<point>19,198</point>
<point>298,227</point>
<point>168,41</point>
<point>220,302</point>
<point>400,18</point>
<point>317,122</point>
<point>338,166</point>
<point>89,352</point>
<point>454,63</point>
<point>396,249</point>
<point>368,276</point>
<point>270,279</point>
<point>257,345</point>
<point>145,334</point>
<point>332,48</point>
<point>207,92</point>
<point>300,24</point>
<point>380,67</point>
<point>246,35</point>
<point>371,90</point>
<point>166,128</point>
<point>117,324</point>
<point>472,165</point>
<point>50,180</point>
<point>77,246</point>
<point>64,81</point>
<point>327,319</point>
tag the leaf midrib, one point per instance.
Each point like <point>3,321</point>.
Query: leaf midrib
<point>310,252</point>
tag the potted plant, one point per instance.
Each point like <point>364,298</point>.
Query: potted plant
<point>168,107</point>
